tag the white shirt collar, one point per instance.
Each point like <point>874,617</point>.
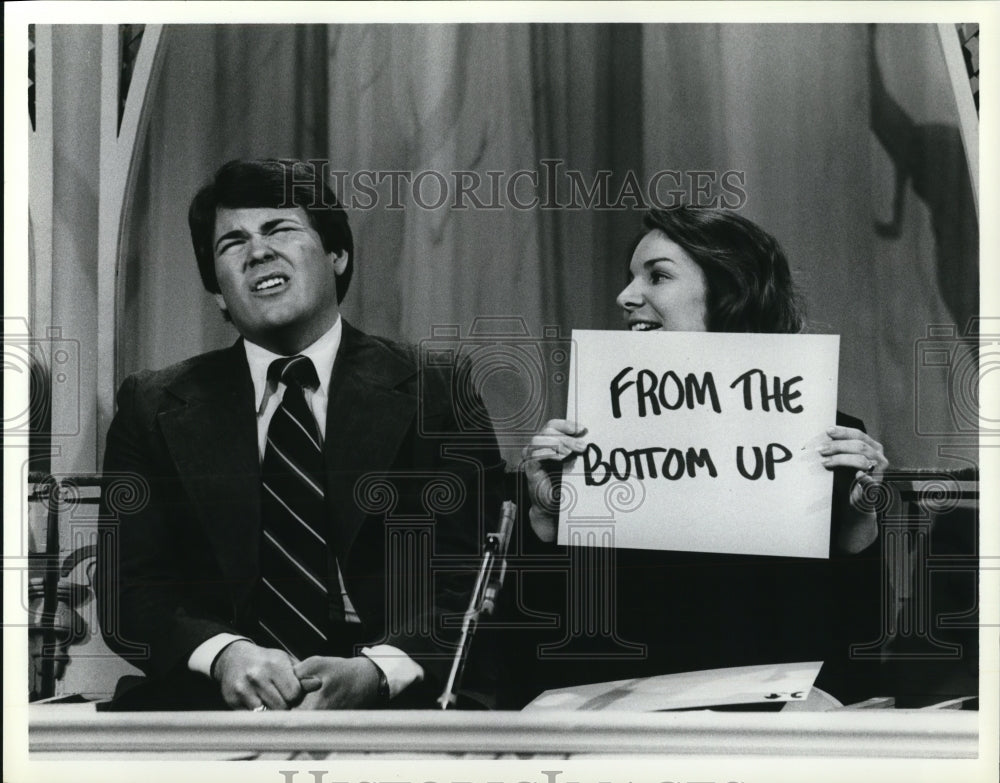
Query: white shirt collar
<point>323,353</point>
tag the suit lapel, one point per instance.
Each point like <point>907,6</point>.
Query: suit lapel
<point>212,439</point>
<point>368,417</point>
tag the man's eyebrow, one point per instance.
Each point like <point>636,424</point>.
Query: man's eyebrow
<point>234,234</point>
<point>269,225</point>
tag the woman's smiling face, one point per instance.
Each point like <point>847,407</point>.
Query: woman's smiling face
<point>667,290</point>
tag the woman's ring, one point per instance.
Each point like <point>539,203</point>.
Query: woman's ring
<point>260,708</point>
<point>871,466</point>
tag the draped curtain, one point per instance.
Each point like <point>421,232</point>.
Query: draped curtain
<point>840,133</point>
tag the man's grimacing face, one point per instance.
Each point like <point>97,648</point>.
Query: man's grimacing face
<point>275,279</point>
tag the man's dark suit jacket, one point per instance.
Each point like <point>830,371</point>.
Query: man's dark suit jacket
<point>179,559</point>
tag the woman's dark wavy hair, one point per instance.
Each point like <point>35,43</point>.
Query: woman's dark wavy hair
<point>275,183</point>
<point>749,283</point>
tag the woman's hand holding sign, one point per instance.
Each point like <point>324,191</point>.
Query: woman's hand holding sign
<point>852,448</point>
<point>848,447</point>
<point>559,441</point>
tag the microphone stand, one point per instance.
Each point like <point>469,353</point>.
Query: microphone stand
<point>492,571</point>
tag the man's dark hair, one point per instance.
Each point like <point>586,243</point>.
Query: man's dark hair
<point>746,273</point>
<point>274,183</point>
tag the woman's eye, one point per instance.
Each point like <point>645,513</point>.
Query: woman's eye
<point>658,277</point>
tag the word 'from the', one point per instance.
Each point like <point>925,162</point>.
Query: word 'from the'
<point>668,391</point>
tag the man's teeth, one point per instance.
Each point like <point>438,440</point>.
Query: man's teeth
<point>644,327</point>
<point>269,282</point>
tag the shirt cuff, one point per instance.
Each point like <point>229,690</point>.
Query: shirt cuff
<point>399,668</point>
<point>204,654</point>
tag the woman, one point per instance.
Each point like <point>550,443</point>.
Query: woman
<point>707,270</point>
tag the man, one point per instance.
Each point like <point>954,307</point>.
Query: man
<point>262,567</point>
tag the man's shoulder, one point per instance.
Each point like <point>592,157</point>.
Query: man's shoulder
<point>412,368</point>
<point>406,353</point>
<point>192,373</point>
<point>419,363</point>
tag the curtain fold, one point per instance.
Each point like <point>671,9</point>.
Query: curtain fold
<point>424,103</point>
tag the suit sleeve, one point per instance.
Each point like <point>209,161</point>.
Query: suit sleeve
<point>148,606</point>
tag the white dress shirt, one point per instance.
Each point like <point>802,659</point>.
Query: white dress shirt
<point>400,670</point>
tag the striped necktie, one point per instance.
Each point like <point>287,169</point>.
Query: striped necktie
<point>295,606</point>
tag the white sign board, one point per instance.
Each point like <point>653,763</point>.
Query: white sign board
<point>702,442</point>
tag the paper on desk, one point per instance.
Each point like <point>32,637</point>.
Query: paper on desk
<point>711,687</point>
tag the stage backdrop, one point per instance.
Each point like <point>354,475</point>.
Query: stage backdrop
<point>844,138</point>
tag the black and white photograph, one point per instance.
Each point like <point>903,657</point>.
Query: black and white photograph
<point>556,392</point>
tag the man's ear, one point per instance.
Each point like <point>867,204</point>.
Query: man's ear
<point>340,261</point>
<point>222,306</point>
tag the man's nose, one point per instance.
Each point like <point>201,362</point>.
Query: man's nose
<point>258,249</point>
<point>630,298</point>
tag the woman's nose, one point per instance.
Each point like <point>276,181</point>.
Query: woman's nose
<point>630,298</point>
